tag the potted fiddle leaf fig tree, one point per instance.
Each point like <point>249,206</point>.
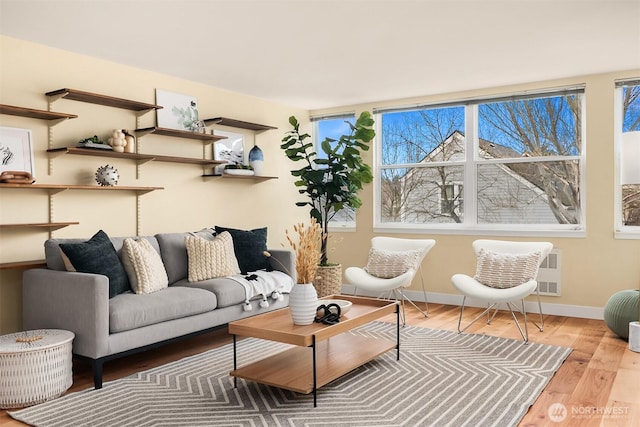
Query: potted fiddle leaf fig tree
<point>331,181</point>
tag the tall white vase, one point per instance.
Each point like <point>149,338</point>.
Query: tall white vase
<point>303,302</point>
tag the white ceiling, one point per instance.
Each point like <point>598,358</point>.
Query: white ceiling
<point>321,53</point>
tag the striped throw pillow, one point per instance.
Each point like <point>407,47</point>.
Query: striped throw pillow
<point>506,270</point>
<point>388,264</point>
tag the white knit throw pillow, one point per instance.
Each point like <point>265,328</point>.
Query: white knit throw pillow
<point>211,258</point>
<point>387,264</point>
<point>506,270</point>
<point>144,266</point>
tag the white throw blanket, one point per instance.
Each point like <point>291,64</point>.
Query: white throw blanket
<point>273,283</point>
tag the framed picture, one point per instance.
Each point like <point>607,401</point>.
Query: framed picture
<point>230,149</point>
<point>16,150</point>
<point>179,111</point>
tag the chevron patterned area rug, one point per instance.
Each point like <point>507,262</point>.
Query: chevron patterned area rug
<point>442,379</point>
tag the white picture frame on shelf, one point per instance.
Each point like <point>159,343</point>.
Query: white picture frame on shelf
<point>230,149</point>
<point>16,150</point>
<point>179,111</point>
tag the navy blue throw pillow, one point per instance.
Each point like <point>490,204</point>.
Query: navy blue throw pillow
<point>97,255</point>
<point>249,247</point>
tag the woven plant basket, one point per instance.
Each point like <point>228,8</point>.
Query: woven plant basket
<point>328,280</point>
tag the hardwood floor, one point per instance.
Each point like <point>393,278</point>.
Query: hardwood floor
<point>598,384</point>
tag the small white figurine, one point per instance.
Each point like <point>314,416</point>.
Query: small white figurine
<point>117,140</point>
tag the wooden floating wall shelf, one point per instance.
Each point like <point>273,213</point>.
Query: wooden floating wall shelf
<point>179,134</point>
<point>39,263</point>
<point>48,225</point>
<point>225,121</point>
<point>94,98</point>
<point>56,188</point>
<point>249,177</point>
<point>32,113</point>
<point>140,158</point>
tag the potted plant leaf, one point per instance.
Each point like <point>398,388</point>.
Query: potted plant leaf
<point>330,182</point>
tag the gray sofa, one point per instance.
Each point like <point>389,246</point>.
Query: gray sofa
<point>107,328</point>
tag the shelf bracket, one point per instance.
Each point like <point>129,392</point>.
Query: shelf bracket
<point>141,113</point>
<point>140,134</point>
<point>54,154</point>
<point>57,121</point>
<point>53,191</point>
<point>54,98</point>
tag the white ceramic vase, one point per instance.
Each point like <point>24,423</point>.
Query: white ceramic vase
<point>303,302</point>
<point>256,159</point>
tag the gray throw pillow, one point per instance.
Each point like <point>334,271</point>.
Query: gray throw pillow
<point>249,247</point>
<point>97,255</point>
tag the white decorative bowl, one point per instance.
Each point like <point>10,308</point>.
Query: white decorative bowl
<point>344,304</point>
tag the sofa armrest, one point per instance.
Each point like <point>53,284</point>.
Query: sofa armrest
<point>77,302</point>
<point>284,260</point>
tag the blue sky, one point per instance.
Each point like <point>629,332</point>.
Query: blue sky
<point>333,128</point>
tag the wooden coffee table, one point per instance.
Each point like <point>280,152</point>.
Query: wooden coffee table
<point>320,353</point>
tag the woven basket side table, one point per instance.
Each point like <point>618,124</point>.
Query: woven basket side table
<point>35,366</point>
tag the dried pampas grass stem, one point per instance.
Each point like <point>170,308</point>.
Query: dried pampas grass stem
<point>306,245</point>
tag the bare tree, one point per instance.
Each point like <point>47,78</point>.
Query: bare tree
<point>543,127</point>
<point>418,139</point>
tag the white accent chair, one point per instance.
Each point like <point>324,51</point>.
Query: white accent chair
<point>361,279</point>
<point>469,287</point>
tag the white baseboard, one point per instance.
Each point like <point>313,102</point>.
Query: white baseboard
<point>580,311</point>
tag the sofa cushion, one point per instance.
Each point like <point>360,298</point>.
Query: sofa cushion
<point>249,246</point>
<point>98,255</point>
<point>174,252</point>
<point>131,311</point>
<point>228,291</point>
<point>53,254</point>
<point>143,266</point>
<point>209,259</point>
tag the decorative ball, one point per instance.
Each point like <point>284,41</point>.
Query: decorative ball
<point>620,310</point>
<point>107,176</point>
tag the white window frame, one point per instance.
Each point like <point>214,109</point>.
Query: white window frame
<point>621,231</point>
<point>471,162</point>
<point>334,225</point>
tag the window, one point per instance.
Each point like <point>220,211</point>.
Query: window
<point>333,127</point>
<point>451,199</point>
<point>628,144</point>
<point>515,161</point>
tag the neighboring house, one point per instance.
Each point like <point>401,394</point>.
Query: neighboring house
<point>508,193</point>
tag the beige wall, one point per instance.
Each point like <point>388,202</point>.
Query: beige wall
<point>594,267</point>
<point>188,202</point>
